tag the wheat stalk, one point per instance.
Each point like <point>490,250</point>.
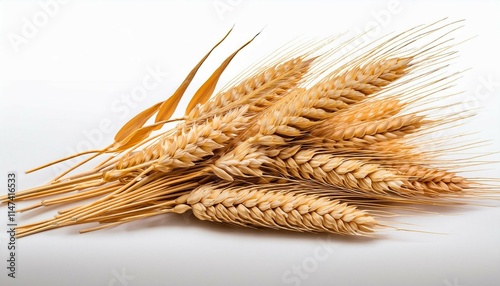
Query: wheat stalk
<point>292,146</point>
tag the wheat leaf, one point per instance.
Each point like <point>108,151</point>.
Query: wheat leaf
<point>136,122</point>
<point>206,90</point>
<point>137,136</point>
<point>169,106</point>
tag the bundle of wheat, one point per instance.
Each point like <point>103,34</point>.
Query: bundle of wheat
<point>321,140</point>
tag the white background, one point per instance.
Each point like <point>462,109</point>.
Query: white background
<point>74,71</point>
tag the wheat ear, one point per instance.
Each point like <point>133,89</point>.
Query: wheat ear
<point>372,131</point>
<point>188,145</point>
<point>259,91</point>
<point>366,111</point>
<point>309,164</point>
<point>260,206</point>
<point>432,181</point>
<point>359,82</point>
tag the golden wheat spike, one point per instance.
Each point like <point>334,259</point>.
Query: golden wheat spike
<point>261,206</point>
